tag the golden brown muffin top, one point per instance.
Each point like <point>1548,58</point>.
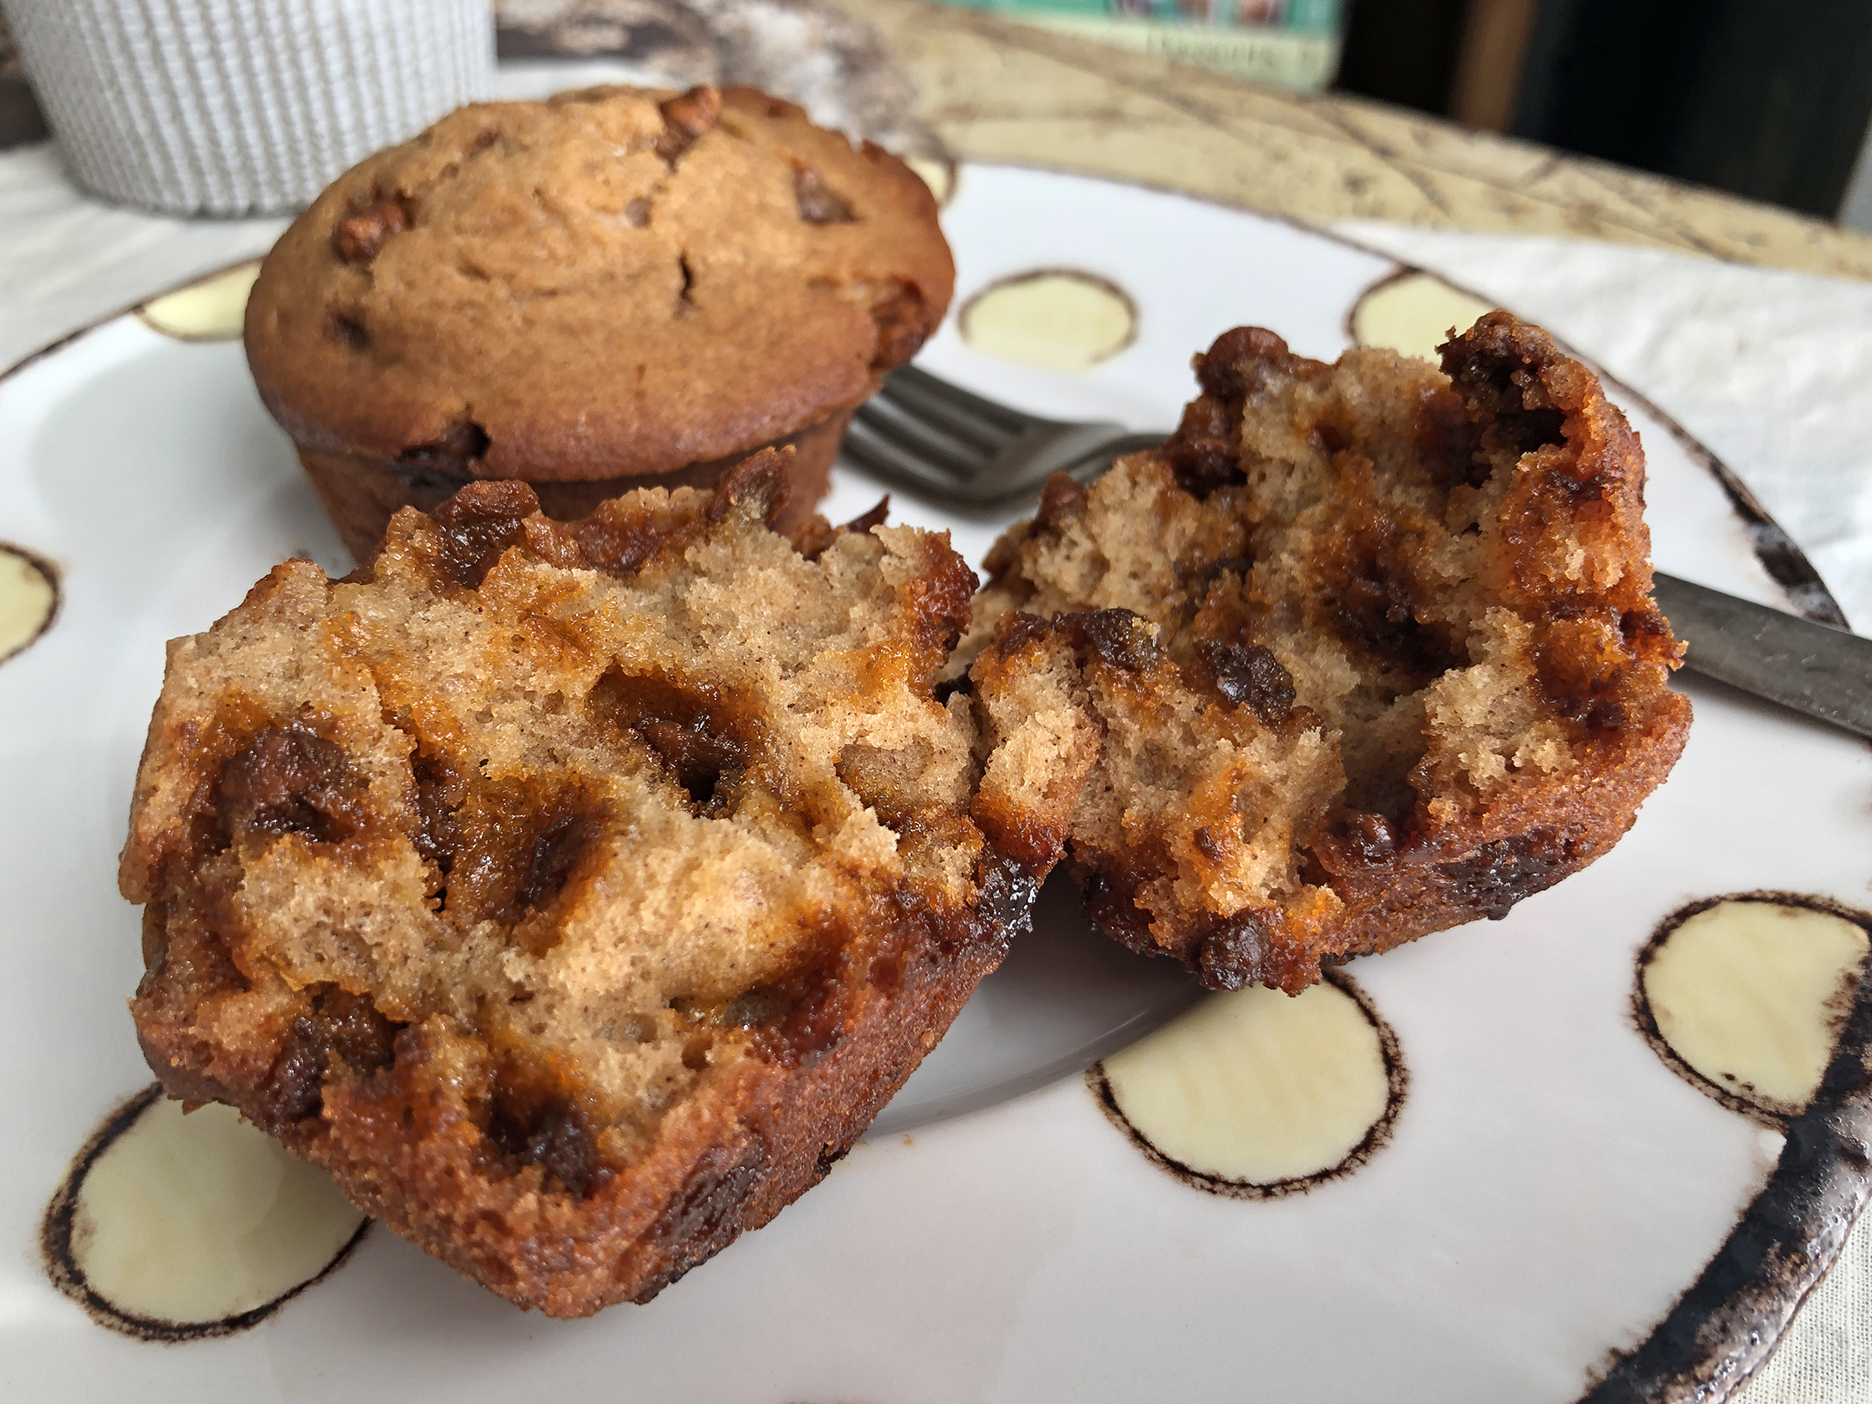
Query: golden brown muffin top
<point>615,281</point>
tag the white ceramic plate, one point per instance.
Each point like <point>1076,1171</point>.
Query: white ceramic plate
<point>1552,1191</point>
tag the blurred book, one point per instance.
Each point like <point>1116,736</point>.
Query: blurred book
<point>1292,43</point>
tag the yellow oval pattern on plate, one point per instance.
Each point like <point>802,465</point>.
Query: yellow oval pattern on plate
<point>210,310</point>
<point>1413,313</point>
<point>940,175</point>
<point>28,598</point>
<point>1750,995</point>
<point>1056,319</point>
<point>1257,1088</point>
<point>194,1219</point>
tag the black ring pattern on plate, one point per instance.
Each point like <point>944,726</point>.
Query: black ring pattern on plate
<point>61,1263</point>
<point>1735,1099</point>
<point>1728,1321</point>
<point>49,573</point>
<point>1376,1137</point>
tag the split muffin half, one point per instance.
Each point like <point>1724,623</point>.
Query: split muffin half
<point>574,892</point>
<point>1365,650</point>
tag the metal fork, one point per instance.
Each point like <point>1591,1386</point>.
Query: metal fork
<point>952,447</point>
<point>959,449</point>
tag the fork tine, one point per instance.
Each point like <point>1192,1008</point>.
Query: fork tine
<point>895,462</point>
<point>913,436</point>
<point>915,398</point>
<point>955,447</point>
<point>924,389</point>
<point>981,438</point>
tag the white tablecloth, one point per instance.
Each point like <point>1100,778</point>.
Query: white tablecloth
<point>1768,369</point>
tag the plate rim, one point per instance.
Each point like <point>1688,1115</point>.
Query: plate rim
<point>1731,1318</point>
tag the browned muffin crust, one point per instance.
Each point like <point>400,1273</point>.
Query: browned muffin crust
<point>1364,651</point>
<point>574,892</point>
<point>361,494</point>
<point>610,284</point>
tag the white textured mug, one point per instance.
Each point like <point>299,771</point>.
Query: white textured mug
<point>232,107</point>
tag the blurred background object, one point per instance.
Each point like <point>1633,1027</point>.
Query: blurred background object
<point>1770,102</point>
<point>20,118</point>
<point>238,107</point>
<point>1766,101</point>
<point>806,51</point>
<point>1292,43</point>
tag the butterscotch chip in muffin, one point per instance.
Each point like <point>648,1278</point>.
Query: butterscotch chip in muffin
<point>574,892</point>
<point>1364,651</point>
<point>612,289</point>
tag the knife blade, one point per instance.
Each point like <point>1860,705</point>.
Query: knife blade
<point>1810,668</point>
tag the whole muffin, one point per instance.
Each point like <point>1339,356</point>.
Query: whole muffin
<point>612,289</point>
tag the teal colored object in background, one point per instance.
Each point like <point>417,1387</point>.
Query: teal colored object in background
<point>1310,16</point>
<point>1290,43</point>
